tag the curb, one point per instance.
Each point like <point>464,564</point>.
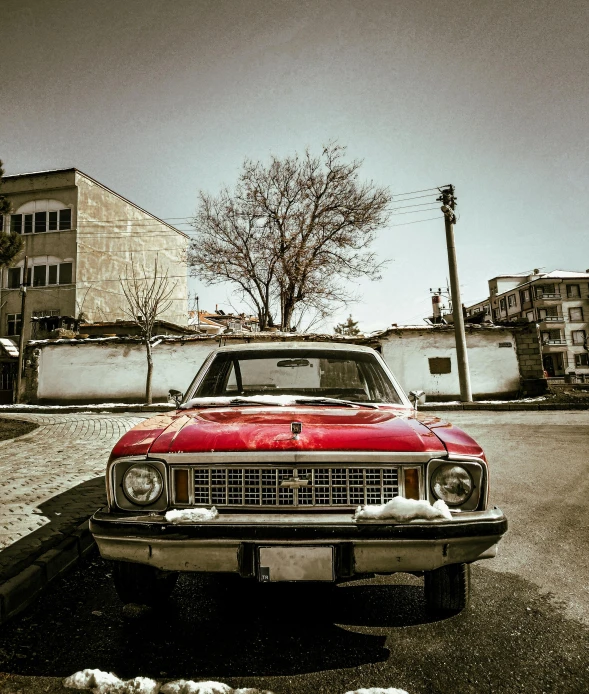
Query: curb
<point>534,406</point>
<point>18,592</point>
<point>83,409</point>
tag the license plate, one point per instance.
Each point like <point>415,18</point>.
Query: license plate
<point>292,563</point>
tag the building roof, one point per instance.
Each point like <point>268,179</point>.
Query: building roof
<point>110,190</point>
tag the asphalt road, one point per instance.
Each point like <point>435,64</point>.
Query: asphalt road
<point>525,631</point>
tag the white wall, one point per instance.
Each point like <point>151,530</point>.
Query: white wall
<point>110,371</point>
<point>105,372</point>
<point>493,369</point>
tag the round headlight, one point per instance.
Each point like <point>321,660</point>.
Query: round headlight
<point>142,484</point>
<point>452,484</point>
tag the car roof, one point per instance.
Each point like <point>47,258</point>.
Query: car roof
<point>286,346</point>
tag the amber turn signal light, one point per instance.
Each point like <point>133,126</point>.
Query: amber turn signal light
<point>181,487</point>
<point>411,483</point>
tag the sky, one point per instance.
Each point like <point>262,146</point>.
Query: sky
<point>159,99</point>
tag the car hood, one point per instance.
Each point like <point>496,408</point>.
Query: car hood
<point>250,428</point>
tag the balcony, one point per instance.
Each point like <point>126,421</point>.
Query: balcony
<point>548,297</point>
<point>551,319</point>
<point>559,345</point>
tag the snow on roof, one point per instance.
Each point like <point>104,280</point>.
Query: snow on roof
<point>565,275</point>
<point>9,346</point>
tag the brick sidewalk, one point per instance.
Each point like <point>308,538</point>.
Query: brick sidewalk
<point>51,480</point>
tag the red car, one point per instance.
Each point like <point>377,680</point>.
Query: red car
<point>296,462</point>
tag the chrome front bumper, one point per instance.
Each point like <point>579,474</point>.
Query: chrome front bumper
<point>231,543</point>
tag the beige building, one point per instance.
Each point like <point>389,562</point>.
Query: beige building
<point>80,238</point>
<point>558,302</point>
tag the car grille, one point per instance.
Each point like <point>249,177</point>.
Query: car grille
<point>300,487</point>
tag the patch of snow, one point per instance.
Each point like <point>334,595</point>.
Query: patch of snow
<point>192,515</point>
<point>378,690</point>
<point>108,683</point>
<point>401,510</point>
<point>141,685</point>
<point>191,687</point>
<point>539,398</point>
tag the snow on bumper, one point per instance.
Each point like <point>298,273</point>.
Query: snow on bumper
<point>231,543</point>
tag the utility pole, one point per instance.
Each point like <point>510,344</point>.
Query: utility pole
<point>21,339</point>
<point>197,315</point>
<point>448,201</point>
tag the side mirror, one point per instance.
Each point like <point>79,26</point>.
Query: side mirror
<point>175,396</point>
<point>417,397</point>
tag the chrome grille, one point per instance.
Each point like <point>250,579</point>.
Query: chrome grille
<point>279,487</point>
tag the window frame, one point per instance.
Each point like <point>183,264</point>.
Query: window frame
<point>576,320</point>
<point>20,228</point>
<point>31,275</point>
<point>570,295</point>
<point>16,322</point>
<point>575,340</point>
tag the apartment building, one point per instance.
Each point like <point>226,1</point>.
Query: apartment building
<point>80,238</point>
<point>558,302</point>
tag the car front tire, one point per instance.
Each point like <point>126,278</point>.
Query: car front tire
<point>447,589</point>
<point>142,584</point>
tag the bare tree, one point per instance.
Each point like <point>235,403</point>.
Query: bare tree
<point>292,235</point>
<point>148,297</point>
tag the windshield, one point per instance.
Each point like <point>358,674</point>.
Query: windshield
<point>347,375</point>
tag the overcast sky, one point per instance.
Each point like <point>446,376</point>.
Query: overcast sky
<point>160,98</point>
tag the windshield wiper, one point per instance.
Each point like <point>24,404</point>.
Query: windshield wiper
<point>334,401</point>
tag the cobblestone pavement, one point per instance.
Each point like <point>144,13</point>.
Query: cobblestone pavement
<point>52,479</point>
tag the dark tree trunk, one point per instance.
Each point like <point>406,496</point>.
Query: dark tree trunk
<point>148,394</point>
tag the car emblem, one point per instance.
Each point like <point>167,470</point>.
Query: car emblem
<point>296,428</point>
<point>296,482</point>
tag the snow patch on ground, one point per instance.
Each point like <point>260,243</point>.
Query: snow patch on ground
<point>107,683</point>
<point>192,515</point>
<point>402,510</point>
<point>190,687</point>
<point>539,398</point>
<point>378,690</point>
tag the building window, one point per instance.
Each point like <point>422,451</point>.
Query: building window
<point>573,291</point>
<point>576,314</point>
<point>41,275</point>
<point>525,295</point>
<point>502,304</point>
<point>581,359</point>
<point>65,273</point>
<point>511,300</point>
<point>14,277</point>
<point>578,337</point>
<point>40,222</point>
<point>551,336</point>
<point>530,316</point>
<point>14,324</point>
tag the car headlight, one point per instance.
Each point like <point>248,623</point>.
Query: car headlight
<point>452,483</point>
<point>142,484</point>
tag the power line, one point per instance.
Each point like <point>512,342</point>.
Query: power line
<point>429,219</point>
<point>429,209</point>
<point>411,192</point>
<point>419,204</point>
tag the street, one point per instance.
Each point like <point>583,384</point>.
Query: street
<point>526,629</point>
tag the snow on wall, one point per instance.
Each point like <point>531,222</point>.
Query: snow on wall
<point>493,362</point>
